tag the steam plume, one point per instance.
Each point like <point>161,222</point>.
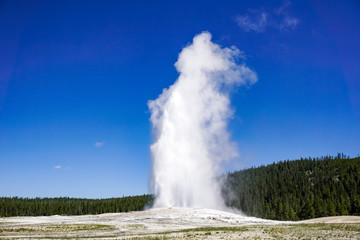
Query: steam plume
<point>190,125</point>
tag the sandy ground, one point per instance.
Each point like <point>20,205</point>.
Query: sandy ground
<point>175,223</point>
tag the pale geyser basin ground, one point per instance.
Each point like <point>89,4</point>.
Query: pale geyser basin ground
<point>176,223</point>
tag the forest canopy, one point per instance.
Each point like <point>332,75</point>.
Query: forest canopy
<point>296,190</point>
<point>287,190</point>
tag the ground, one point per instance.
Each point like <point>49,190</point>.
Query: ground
<point>176,223</point>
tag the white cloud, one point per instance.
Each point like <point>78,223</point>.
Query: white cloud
<point>99,144</point>
<point>57,167</point>
<point>259,20</point>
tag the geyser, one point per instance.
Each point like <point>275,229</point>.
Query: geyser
<point>190,125</point>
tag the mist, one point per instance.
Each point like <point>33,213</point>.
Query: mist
<point>189,119</point>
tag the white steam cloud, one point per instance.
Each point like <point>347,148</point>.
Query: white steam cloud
<point>190,125</point>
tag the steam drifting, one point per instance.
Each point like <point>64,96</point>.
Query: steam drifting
<point>190,125</point>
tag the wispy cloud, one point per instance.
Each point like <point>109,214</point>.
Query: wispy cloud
<point>283,7</point>
<point>99,144</point>
<point>257,20</point>
<point>289,22</point>
<point>57,166</point>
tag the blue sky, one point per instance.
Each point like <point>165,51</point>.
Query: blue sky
<point>75,78</point>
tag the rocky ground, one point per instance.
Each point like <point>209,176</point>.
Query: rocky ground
<point>176,223</point>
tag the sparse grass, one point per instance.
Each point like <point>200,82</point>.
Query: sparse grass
<point>69,237</point>
<point>57,228</point>
<point>332,226</point>
<point>86,227</point>
<point>210,229</point>
<point>135,226</point>
<point>102,231</point>
<point>284,231</point>
<point>149,238</point>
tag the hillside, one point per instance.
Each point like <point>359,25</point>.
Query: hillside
<point>296,190</point>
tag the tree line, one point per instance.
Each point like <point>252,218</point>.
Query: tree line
<point>287,190</point>
<point>16,206</point>
<point>296,190</point>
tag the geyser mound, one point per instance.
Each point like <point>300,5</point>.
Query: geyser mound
<point>190,125</point>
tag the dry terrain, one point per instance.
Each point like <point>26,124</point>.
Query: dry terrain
<point>176,223</point>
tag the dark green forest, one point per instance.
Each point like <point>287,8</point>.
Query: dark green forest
<point>287,190</point>
<point>296,190</point>
<point>70,206</point>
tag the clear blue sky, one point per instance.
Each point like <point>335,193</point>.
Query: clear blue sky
<point>75,78</point>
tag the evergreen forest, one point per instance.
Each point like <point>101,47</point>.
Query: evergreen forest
<point>296,190</point>
<point>287,190</point>
<point>70,206</point>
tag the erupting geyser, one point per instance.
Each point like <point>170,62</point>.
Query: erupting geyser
<point>190,125</point>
